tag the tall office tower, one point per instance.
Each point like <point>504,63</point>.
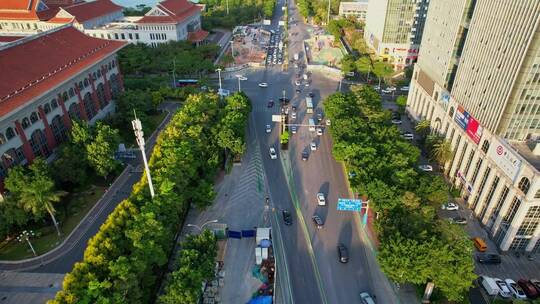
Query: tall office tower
<point>477,81</point>
<point>394,29</point>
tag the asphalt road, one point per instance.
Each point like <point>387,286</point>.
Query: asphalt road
<point>315,273</point>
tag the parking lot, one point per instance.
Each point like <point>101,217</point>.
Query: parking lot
<point>274,55</point>
<point>511,266</point>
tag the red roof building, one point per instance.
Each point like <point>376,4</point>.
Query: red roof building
<point>47,80</point>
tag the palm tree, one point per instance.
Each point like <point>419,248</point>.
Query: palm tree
<point>39,195</point>
<point>441,152</point>
<point>423,128</point>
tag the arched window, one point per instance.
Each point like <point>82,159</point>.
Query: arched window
<point>71,92</point>
<point>80,86</point>
<point>47,108</point>
<point>3,139</point>
<point>59,129</point>
<point>99,73</point>
<point>451,112</point>
<point>65,96</point>
<point>113,63</point>
<point>86,82</point>
<point>54,104</point>
<point>89,106</point>
<point>34,117</point>
<point>115,85</point>
<point>74,112</point>
<point>485,146</point>
<point>524,185</point>
<point>10,133</point>
<point>25,123</point>
<point>38,143</point>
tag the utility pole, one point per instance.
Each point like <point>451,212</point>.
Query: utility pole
<point>139,135</point>
<point>219,76</point>
<point>328,15</point>
<point>227,7</point>
<point>174,72</point>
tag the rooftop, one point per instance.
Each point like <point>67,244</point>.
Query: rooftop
<point>171,11</point>
<point>25,10</point>
<point>63,53</point>
<point>85,11</point>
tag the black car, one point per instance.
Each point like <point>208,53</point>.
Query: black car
<point>488,258</point>
<point>317,220</point>
<point>305,155</point>
<point>319,117</point>
<point>298,90</point>
<point>287,217</point>
<point>311,94</point>
<point>343,253</point>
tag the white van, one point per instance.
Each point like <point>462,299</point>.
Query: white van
<point>489,285</point>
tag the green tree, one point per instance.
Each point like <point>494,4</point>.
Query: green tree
<point>38,193</point>
<point>382,69</point>
<point>363,65</point>
<point>101,150</point>
<point>347,64</point>
<point>442,152</point>
<point>12,217</point>
<point>71,165</point>
<point>80,133</point>
<point>401,101</point>
<point>423,128</point>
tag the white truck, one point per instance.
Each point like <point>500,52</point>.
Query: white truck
<point>295,56</point>
<point>489,285</point>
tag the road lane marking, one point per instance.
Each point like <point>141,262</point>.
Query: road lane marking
<point>296,203</point>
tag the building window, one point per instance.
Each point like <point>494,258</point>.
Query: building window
<point>116,36</point>
<point>100,92</point>
<point>137,36</point>
<point>74,112</point>
<point>451,112</point>
<point>94,76</point>
<point>71,92</point>
<point>514,207</point>
<point>65,96</point>
<point>38,143</point>
<point>130,36</point>
<point>3,139</point>
<point>59,129</point>
<point>537,194</point>
<point>485,146</point>
<point>123,36</point>
<point>89,106</point>
<point>47,108</point>
<point>10,133</point>
<point>533,212</point>
<point>86,82</point>
<point>99,73</point>
<point>115,85</point>
<point>524,185</point>
<point>25,123</point>
<point>34,117</point>
<point>80,86</point>
<point>54,104</point>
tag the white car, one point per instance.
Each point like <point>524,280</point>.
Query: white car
<point>396,121</point>
<point>450,206</point>
<point>263,85</point>
<point>426,168</point>
<point>376,87</point>
<point>319,131</point>
<point>328,122</point>
<point>273,154</point>
<point>293,115</point>
<point>321,201</point>
<point>268,129</point>
<point>297,82</point>
<point>391,89</point>
<point>404,89</point>
<point>504,291</point>
<point>386,91</point>
<point>313,146</point>
<point>408,136</point>
<point>515,289</point>
<point>293,129</point>
<point>365,298</point>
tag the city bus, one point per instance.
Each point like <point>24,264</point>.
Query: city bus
<point>186,82</point>
<point>312,125</point>
<point>309,105</point>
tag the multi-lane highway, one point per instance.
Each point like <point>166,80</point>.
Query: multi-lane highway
<point>310,255</point>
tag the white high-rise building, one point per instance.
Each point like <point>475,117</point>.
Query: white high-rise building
<point>478,81</point>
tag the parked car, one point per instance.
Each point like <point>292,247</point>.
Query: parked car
<point>391,89</point>
<point>313,146</point>
<point>459,220</point>
<point>488,258</point>
<point>328,122</point>
<point>426,168</point>
<point>293,115</point>
<point>504,291</point>
<point>297,82</point>
<point>515,289</point>
<point>408,135</point>
<point>480,244</point>
<point>365,298</point>
<point>489,285</point>
<point>293,129</point>
<point>528,288</point>
<point>270,103</point>
<point>319,131</point>
<point>319,117</point>
<point>450,206</point>
<point>263,85</point>
<point>317,220</point>
<point>268,129</point>
<point>385,91</point>
<point>287,217</point>
<point>305,155</point>
<point>298,91</point>
<point>321,200</point>
<point>343,253</point>
<point>310,94</point>
<point>273,154</point>
<point>536,284</point>
<point>396,121</point>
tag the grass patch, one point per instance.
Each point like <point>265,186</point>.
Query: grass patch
<point>77,205</point>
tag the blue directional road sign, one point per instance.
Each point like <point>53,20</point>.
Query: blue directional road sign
<point>346,204</point>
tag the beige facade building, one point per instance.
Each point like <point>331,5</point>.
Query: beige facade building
<point>478,81</point>
<point>394,29</point>
<point>356,9</point>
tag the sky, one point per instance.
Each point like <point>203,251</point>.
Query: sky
<point>133,3</point>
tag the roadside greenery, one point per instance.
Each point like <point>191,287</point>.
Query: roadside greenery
<point>196,264</point>
<point>416,247</point>
<point>317,9</point>
<point>241,12</point>
<point>124,260</point>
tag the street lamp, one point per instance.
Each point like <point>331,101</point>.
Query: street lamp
<point>139,135</point>
<point>232,48</point>
<point>240,78</point>
<point>202,226</point>
<point>25,236</point>
<point>219,75</point>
